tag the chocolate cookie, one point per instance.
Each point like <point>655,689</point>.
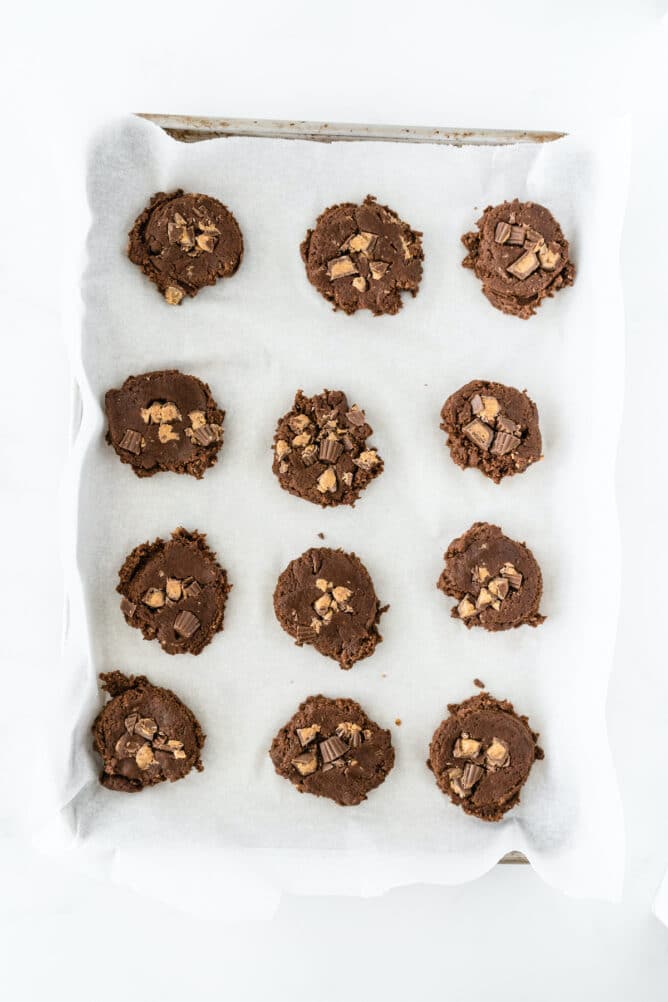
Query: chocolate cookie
<point>321,452</point>
<point>144,734</point>
<point>330,748</point>
<point>184,242</point>
<point>496,581</point>
<point>520,255</point>
<point>363,257</point>
<point>164,421</point>
<point>174,590</point>
<point>481,756</point>
<point>493,427</point>
<point>326,598</point>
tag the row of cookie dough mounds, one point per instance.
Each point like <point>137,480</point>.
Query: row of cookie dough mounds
<point>175,592</point>
<point>169,421</point>
<point>481,755</point>
<point>358,256</point>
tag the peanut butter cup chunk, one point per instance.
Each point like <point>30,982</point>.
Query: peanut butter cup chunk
<point>326,598</point>
<point>331,748</point>
<point>164,421</point>
<point>520,255</point>
<point>493,428</point>
<point>482,754</point>
<point>183,242</point>
<point>363,257</point>
<point>145,735</point>
<point>321,451</point>
<point>496,581</point>
<point>175,592</point>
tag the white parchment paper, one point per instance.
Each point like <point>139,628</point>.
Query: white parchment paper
<point>238,832</point>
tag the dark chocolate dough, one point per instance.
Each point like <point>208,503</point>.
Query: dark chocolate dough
<point>321,452</point>
<point>326,598</point>
<point>482,754</point>
<point>174,590</point>
<point>496,581</point>
<point>332,749</point>
<point>145,735</point>
<point>183,242</point>
<point>164,421</point>
<point>363,257</point>
<point>520,255</point>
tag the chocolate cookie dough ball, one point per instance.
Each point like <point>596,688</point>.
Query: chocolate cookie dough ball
<point>183,242</point>
<point>164,421</point>
<point>496,581</point>
<point>482,754</point>
<point>145,735</point>
<point>520,255</point>
<point>175,591</point>
<point>492,427</point>
<point>321,452</point>
<point>326,598</point>
<point>331,748</point>
<point>362,257</point>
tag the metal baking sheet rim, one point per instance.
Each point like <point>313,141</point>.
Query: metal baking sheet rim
<point>193,129</point>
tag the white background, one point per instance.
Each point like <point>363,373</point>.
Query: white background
<point>558,66</point>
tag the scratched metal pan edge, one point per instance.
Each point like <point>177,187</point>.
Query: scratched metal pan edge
<point>196,128</point>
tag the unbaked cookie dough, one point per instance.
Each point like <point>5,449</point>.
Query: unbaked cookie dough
<point>492,427</point>
<point>326,598</point>
<point>520,255</point>
<point>496,581</point>
<point>363,257</point>
<point>482,754</point>
<point>332,749</point>
<point>174,590</point>
<point>183,242</point>
<point>144,735</point>
<point>164,421</point>
<point>321,452</point>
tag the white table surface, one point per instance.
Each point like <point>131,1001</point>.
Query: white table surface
<point>67,934</point>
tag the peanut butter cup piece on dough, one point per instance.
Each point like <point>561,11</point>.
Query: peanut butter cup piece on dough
<point>164,421</point>
<point>174,591</point>
<point>520,255</point>
<point>331,748</point>
<point>496,581</point>
<point>321,452</point>
<point>326,598</point>
<point>363,257</point>
<point>492,427</point>
<point>482,754</point>
<point>183,242</point>
<point>145,735</point>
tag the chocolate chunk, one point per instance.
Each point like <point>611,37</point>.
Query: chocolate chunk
<point>504,443</point>
<point>479,433</point>
<point>332,748</point>
<point>131,442</point>
<point>186,624</point>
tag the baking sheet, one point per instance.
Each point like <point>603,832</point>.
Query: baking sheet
<point>256,338</point>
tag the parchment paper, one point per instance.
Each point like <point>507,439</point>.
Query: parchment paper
<point>238,831</point>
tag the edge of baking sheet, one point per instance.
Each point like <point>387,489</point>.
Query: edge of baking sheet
<point>192,129</point>
<point>195,128</point>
